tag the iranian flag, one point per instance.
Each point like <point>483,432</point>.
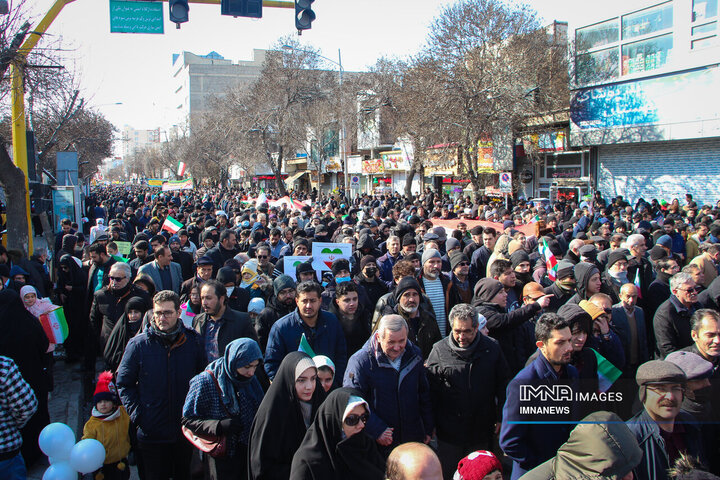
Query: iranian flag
<point>637,282</point>
<point>550,262</point>
<point>535,219</point>
<point>607,372</point>
<point>171,225</point>
<point>55,325</point>
<point>182,166</point>
<point>262,198</point>
<point>305,346</point>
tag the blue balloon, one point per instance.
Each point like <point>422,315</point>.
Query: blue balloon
<point>56,440</point>
<point>60,471</point>
<point>87,455</point>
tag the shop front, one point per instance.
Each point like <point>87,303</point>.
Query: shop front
<point>371,169</point>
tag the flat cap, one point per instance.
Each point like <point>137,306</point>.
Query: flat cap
<point>659,371</point>
<point>694,366</point>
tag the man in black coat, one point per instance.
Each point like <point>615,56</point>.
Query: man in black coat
<point>224,250</point>
<point>108,303</point>
<point>468,375</point>
<point>184,259</point>
<point>219,325</point>
<point>672,319</point>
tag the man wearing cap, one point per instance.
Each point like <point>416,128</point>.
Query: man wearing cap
<point>387,261</point>
<point>203,273</point>
<point>369,279</point>
<point>672,319</point>
<point>424,331</point>
<point>460,288</point>
<point>182,258</point>
<point>563,288</point>
<point>663,432</point>
<point>279,305</point>
<point>468,375</point>
<point>434,284</point>
<point>476,242</point>
<point>615,275</point>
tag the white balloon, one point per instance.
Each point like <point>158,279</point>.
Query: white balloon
<point>56,440</point>
<point>60,471</point>
<point>87,455</point>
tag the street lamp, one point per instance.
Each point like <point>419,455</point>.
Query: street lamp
<point>343,151</point>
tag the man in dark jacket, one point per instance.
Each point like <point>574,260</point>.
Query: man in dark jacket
<point>387,261</point>
<point>109,303</point>
<point>672,319</point>
<point>460,288</point>
<point>203,274</point>
<point>153,379</point>
<point>219,325</point>
<point>365,246</point>
<point>522,438</point>
<point>321,329</point>
<point>99,268</point>
<point>563,288</point>
<point>352,314</point>
<point>661,429</point>
<point>490,298</point>
<point>389,371</point>
<point>468,375</point>
<point>279,305</point>
<point>659,289</point>
<point>369,279</point>
<point>224,250</point>
<point>423,328</point>
<point>435,285</point>
<point>184,259</point>
<point>480,257</point>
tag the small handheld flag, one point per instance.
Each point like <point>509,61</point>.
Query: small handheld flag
<point>171,225</point>
<point>607,372</point>
<point>637,282</point>
<point>55,325</point>
<point>305,346</point>
<point>550,262</point>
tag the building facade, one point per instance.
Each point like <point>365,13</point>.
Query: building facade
<point>645,100</point>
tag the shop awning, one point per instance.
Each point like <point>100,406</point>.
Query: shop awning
<point>293,178</point>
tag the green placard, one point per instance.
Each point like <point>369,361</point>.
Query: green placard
<point>136,17</point>
<point>124,248</point>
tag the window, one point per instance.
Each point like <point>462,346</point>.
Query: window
<point>703,9</point>
<point>646,55</point>
<point>597,35</point>
<point>650,20</point>
<point>597,66</point>
<point>704,31</point>
<point>704,42</point>
<point>707,28</point>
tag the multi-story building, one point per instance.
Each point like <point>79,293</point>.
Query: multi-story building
<point>135,140</point>
<point>645,99</point>
<point>198,78</point>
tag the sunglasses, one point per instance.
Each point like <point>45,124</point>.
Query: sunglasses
<point>463,264</point>
<point>117,279</point>
<point>352,419</point>
<point>261,256</point>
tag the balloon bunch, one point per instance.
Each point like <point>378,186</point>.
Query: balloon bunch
<point>66,457</point>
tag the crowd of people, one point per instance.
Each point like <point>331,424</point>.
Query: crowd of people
<point>564,340</point>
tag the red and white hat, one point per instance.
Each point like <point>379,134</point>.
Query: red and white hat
<point>105,388</point>
<point>476,465</point>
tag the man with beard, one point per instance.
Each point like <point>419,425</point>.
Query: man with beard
<point>219,325</point>
<point>468,375</point>
<point>369,279</point>
<point>434,285</point>
<point>661,429</point>
<point>140,248</point>
<point>108,303</point>
<point>502,271</point>
<point>424,331</point>
<point>223,251</point>
<point>354,317</point>
<point>100,266</point>
<point>563,288</point>
<point>530,443</point>
<point>460,286</point>
<point>282,303</point>
<point>182,258</point>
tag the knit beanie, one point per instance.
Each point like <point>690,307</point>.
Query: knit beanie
<point>406,283</point>
<point>451,243</point>
<point>487,288</point>
<point>518,257</point>
<point>430,253</point>
<point>365,260</point>
<point>282,282</point>
<point>408,239</point>
<point>105,389</point>
<point>456,258</point>
<point>477,465</point>
<point>304,267</point>
<point>617,255</point>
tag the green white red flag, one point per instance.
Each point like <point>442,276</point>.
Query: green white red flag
<point>171,225</point>
<point>551,262</point>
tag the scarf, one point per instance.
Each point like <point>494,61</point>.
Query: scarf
<point>106,417</point>
<point>241,396</point>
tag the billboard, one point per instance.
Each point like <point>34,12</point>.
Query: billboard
<point>669,107</point>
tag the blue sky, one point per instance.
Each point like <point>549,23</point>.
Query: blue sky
<point>136,69</point>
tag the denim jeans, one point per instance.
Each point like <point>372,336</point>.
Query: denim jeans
<point>13,469</point>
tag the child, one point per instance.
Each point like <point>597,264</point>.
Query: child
<point>326,371</point>
<point>479,465</point>
<point>110,425</point>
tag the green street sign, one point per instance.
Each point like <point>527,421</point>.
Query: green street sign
<point>136,17</point>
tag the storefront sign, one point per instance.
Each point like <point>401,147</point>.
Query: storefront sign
<point>485,156</point>
<point>395,161</point>
<point>563,172</point>
<point>545,142</point>
<point>372,167</point>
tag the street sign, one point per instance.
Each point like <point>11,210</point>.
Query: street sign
<point>506,182</point>
<point>136,17</point>
<point>355,181</point>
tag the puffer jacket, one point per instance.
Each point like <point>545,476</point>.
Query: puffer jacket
<point>153,380</point>
<point>612,447</point>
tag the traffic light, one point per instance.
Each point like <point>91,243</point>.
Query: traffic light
<point>179,11</point>
<point>241,8</point>
<point>304,15</point>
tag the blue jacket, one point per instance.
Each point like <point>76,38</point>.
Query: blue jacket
<point>398,399</point>
<point>153,380</point>
<point>385,265</point>
<point>327,338</point>
<point>530,444</point>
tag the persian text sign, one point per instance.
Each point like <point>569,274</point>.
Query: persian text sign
<point>136,17</point>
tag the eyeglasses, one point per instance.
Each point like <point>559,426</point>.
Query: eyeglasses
<point>117,279</point>
<point>352,419</point>
<point>665,389</point>
<point>261,256</point>
<point>693,291</point>
<point>463,264</point>
<point>165,313</point>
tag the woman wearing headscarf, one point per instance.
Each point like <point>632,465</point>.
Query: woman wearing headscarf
<point>127,326</point>
<point>223,400</point>
<point>72,289</point>
<point>336,446</point>
<point>283,418</point>
<point>24,340</point>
